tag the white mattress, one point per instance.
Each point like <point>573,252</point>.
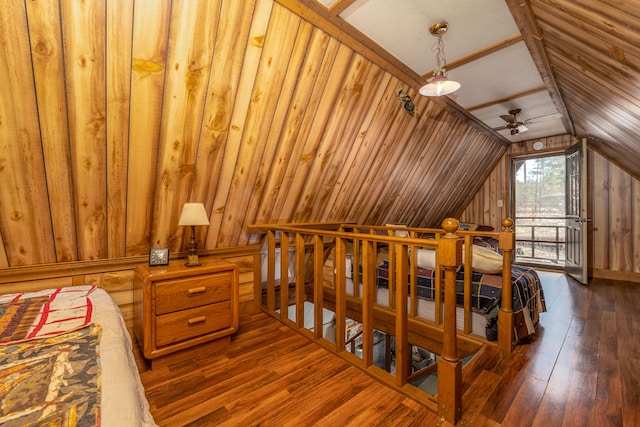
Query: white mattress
<point>123,400</point>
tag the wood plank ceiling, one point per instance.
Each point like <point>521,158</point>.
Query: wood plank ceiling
<point>114,113</point>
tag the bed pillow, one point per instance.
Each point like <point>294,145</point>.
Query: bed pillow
<point>484,228</point>
<point>426,258</point>
<point>467,226</point>
<point>399,233</point>
<point>485,260</point>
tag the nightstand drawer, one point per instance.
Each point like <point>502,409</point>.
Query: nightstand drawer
<point>182,325</point>
<point>175,295</point>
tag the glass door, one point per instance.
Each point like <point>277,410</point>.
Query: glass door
<point>539,210</point>
<point>576,264</point>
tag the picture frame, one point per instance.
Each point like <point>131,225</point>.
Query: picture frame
<point>159,256</point>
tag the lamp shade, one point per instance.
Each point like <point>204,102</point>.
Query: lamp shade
<point>439,85</point>
<point>193,214</point>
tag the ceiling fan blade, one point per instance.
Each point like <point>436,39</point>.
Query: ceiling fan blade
<point>507,118</point>
<point>543,118</point>
<point>501,128</point>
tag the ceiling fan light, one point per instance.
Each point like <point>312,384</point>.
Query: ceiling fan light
<point>440,85</point>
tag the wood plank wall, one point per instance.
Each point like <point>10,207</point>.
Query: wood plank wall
<point>114,113</point>
<point>613,205</point>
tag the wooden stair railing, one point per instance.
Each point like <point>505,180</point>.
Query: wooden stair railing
<point>311,245</point>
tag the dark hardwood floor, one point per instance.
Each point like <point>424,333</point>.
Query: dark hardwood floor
<point>581,369</point>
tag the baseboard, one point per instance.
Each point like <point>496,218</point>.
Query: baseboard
<point>625,276</point>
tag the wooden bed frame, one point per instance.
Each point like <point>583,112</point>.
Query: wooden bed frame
<point>315,244</point>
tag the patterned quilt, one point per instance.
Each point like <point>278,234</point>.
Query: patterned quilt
<point>49,359</point>
<point>528,297</point>
<point>51,381</point>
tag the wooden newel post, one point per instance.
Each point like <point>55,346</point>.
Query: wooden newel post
<point>449,366</point>
<point>505,315</point>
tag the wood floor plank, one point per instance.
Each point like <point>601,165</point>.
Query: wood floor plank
<point>317,403</point>
<point>552,406</point>
<point>524,407</point>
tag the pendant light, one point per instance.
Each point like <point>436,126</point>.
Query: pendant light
<point>440,84</point>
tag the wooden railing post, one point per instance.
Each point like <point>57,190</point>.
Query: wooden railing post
<point>403,350</point>
<point>505,315</point>
<point>284,275</point>
<point>300,283</point>
<point>449,366</point>
<point>271,270</point>
<point>318,285</point>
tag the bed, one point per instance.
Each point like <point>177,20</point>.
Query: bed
<point>486,289</point>
<point>528,299</point>
<point>66,359</point>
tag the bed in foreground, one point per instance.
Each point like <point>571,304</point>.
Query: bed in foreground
<point>66,359</point>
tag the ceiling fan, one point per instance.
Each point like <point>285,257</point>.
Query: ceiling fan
<point>518,126</point>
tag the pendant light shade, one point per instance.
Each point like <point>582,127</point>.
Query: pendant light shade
<point>440,84</point>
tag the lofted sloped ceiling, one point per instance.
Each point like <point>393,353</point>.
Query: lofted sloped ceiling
<point>114,113</point>
<point>570,67</point>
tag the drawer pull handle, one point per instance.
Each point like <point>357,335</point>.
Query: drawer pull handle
<point>196,320</point>
<point>196,291</point>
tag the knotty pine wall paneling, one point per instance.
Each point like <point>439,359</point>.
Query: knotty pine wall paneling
<point>615,211</point>
<point>114,113</point>
<point>281,56</point>
<point>148,64</point>
<point>118,94</point>
<point>85,69</point>
<point>48,73</point>
<point>231,164</point>
<point>189,58</point>
<point>25,224</point>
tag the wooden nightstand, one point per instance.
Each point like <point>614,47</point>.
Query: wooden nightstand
<point>178,307</point>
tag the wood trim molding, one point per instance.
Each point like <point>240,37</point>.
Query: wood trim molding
<point>78,268</point>
<point>623,276</point>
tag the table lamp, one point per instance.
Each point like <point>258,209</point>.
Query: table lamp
<point>193,214</point>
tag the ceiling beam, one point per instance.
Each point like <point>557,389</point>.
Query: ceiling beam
<point>534,39</point>
<point>339,6</point>
<point>508,98</point>
<point>509,41</point>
